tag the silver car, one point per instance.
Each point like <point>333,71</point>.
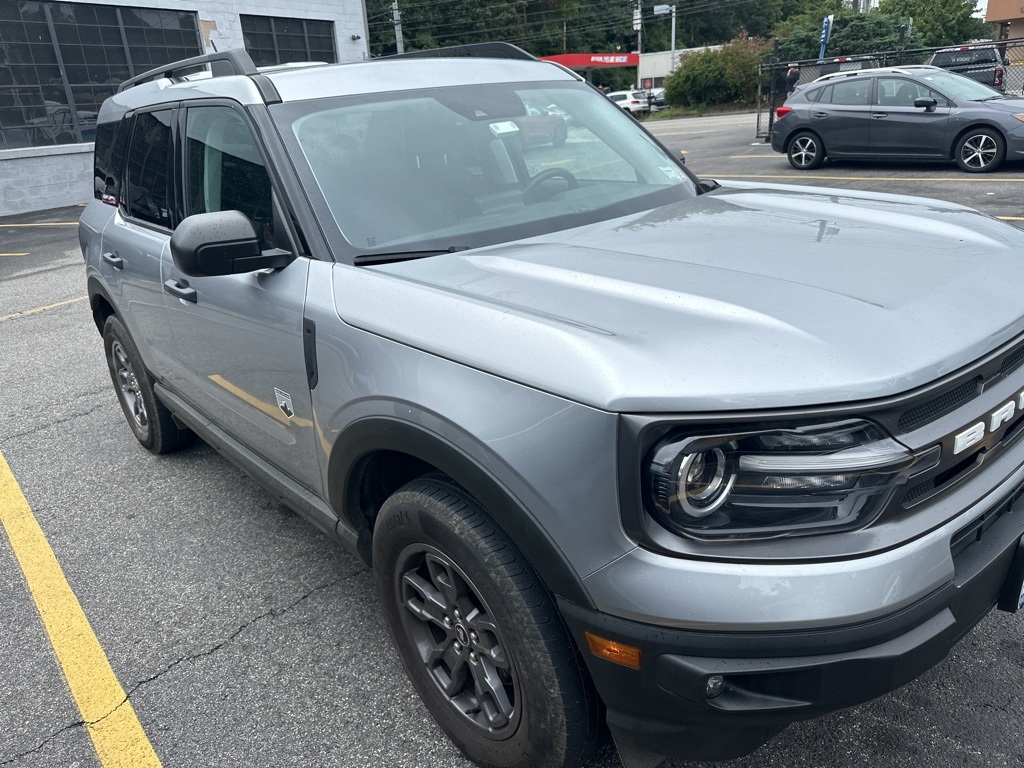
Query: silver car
<point>704,459</point>
<point>900,113</point>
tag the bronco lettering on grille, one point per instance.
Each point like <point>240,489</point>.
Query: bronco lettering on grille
<point>975,433</point>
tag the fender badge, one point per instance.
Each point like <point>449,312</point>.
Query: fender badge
<point>284,402</point>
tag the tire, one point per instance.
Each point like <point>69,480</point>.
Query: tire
<point>805,151</point>
<point>980,150</point>
<point>149,419</point>
<point>478,634</point>
<point>561,134</point>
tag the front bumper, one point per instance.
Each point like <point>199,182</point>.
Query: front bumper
<point>774,678</point>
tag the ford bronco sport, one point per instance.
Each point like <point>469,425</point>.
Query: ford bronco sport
<point>703,460</point>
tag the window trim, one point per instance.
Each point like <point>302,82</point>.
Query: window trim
<point>283,220</point>
<point>122,205</point>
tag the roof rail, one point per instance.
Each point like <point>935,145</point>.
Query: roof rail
<point>494,50</point>
<point>232,62</point>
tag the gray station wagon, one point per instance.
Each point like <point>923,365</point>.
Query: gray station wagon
<point>700,460</point>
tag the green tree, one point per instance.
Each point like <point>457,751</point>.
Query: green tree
<point>852,34</point>
<point>940,22</point>
<point>717,77</point>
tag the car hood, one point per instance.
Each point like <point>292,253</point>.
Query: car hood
<point>749,297</point>
<point>1010,105</point>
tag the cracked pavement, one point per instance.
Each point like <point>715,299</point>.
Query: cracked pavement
<point>243,636</point>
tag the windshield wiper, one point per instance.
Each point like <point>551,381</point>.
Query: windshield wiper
<point>365,259</point>
<point>996,96</point>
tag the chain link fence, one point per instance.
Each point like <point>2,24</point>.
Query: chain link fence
<point>777,78</point>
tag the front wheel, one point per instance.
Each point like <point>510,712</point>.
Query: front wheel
<point>478,633</point>
<point>980,150</point>
<point>805,151</point>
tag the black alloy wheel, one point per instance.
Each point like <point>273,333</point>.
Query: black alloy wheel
<point>477,632</point>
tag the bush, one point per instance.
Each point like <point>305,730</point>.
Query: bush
<point>717,77</point>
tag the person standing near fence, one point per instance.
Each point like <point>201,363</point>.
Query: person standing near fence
<point>792,78</point>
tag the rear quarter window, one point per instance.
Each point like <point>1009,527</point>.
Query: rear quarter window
<point>108,160</point>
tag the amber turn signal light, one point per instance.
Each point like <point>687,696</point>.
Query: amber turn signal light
<point>626,655</point>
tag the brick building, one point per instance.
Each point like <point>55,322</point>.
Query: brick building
<point>60,60</point>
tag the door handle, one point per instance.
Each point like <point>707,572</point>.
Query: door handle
<point>819,114</point>
<point>181,289</point>
<point>113,260</point>
<point>879,115</point>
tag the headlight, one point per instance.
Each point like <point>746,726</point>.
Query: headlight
<point>776,482</point>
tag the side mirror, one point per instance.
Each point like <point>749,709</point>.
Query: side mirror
<point>926,103</point>
<point>221,243</point>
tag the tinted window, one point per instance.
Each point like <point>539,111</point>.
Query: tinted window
<point>224,170</point>
<point>898,92</point>
<point>148,163</point>
<point>961,58</point>
<point>851,92</point>
<point>111,141</point>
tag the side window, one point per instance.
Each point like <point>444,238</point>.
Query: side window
<point>111,142</point>
<point>852,92</point>
<point>148,162</point>
<point>224,170</point>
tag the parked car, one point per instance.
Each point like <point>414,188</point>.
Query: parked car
<point>900,113</point>
<point>983,63</point>
<point>656,99</point>
<point>631,101</point>
<point>615,441</point>
<point>542,126</point>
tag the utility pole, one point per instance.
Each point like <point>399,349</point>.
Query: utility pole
<point>638,25</point>
<point>397,16</point>
<point>661,10</point>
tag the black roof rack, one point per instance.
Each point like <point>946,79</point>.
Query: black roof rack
<point>493,50</point>
<point>231,62</point>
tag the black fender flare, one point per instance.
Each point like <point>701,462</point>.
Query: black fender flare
<point>379,433</point>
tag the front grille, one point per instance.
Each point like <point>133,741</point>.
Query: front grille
<point>1012,362</point>
<point>941,404</point>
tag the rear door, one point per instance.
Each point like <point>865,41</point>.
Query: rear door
<point>900,129</point>
<point>136,239</point>
<point>239,338</point>
<point>842,114</point>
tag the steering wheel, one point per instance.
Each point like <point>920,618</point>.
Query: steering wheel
<point>529,191</point>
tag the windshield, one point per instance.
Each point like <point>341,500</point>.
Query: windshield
<point>467,166</point>
<point>960,88</point>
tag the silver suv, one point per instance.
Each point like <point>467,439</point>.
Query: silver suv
<point>705,460</point>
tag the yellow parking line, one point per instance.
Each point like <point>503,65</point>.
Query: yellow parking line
<point>1010,218</point>
<point>25,312</point>
<point>45,224</point>
<point>109,717</point>
<point>14,254</point>
<point>809,177</point>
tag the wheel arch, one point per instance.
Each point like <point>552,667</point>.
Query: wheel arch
<point>800,132</point>
<point>100,303</point>
<point>375,456</point>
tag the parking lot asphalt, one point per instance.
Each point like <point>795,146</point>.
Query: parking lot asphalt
<point>243,637</point>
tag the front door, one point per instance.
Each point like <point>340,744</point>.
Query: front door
<point>899,129</point>
<point>239,337</point>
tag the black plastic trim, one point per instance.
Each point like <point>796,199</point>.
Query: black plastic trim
<point>283,488</point>
<point>492,50</point>
<point>772,679</point>
<point>266,88</point>
<point>374,434</point>
<point>309,352</point>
